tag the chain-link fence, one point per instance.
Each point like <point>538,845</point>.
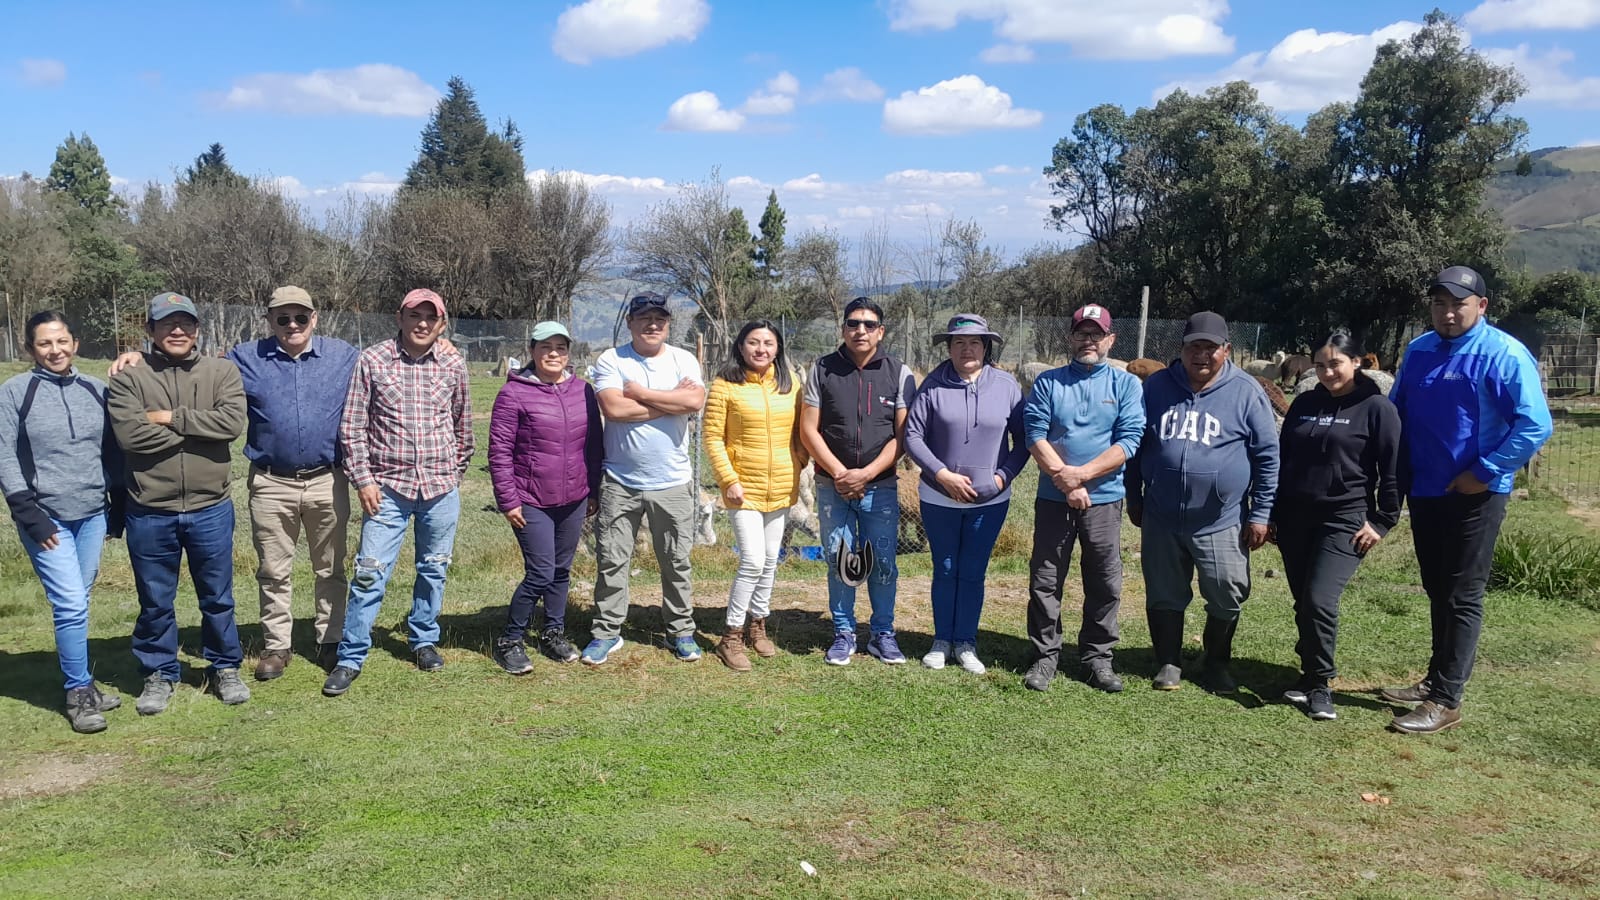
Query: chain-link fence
<point>1569,464</point>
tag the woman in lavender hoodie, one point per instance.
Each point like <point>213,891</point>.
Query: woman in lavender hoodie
<point>965,430</point>
<point>544,460</point>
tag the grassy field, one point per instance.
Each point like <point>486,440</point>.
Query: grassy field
<point>650,777</point>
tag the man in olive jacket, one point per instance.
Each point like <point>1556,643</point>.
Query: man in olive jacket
<point>175,417</point>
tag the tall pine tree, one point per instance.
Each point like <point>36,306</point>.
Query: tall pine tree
<point>460,152</point>
<point>79,173</point>
<point>211,170</point>
<point>769,246</point>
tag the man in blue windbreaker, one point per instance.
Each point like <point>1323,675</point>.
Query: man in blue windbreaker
<point>1473,413</point>
<point>1201,488</point>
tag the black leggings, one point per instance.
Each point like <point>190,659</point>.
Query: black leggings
<point>548,543</point>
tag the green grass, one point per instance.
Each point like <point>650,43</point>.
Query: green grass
<point>649,777</point>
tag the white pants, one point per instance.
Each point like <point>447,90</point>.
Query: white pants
<point>760,539</point>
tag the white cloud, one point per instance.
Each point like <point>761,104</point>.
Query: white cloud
<point>923,179</point>
<point>1007,53</point>
<point>701,111</point>
<point>42,72</point>
<point>372,183</point>
<point>289,186</point>
<point>376,89</point>
<point>776,98</point>
<point>1306,70</point>
<point>810,184</point>
<point>1589,142</point>
<point>609,184</point>
<point>1129,29</point>
<point>848,84</point>
<point>920,211</point>
<point>956,106</point>
<point>1004,169</point>
<point>747,183</point>
<point>860,212</point>
<point>1549,77</point>
<point>1529,15</point>
<point>601,29</point>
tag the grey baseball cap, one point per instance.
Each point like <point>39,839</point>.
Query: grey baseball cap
<point>1461,282</point>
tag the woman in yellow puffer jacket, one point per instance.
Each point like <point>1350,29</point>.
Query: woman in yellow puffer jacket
<point>755,454</point>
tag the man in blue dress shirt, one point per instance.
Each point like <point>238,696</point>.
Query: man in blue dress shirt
<point>295,383</point>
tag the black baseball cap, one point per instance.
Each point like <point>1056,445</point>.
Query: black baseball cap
<point>646,302</point>
<point>1461,282</point>
<point>1206,326</point>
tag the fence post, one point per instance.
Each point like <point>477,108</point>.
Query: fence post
<point>1594,385</point>
<point>1144,317</point>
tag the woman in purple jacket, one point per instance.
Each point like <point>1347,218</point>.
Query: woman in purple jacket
<point>965,430</point>
<point>544,460</point>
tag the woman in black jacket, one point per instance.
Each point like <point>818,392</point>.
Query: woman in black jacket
<point>1338,495</point>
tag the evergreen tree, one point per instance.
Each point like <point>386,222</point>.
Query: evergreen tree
<point>741,250</point>
<point>460,152</point>
<point>211,169</point>
<point>769,246</point>
<point>79,173</point>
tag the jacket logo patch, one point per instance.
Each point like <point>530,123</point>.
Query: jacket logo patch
<point>1187,426</point>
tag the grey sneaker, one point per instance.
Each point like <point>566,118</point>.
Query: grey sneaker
<point>83,710</point>
<point>1040,674</point>
<point>229,687</point>
<point>1100,676</point>
<point>156,695</point>
<point>1319,705</point>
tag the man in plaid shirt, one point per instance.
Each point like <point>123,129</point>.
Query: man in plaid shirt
<point>407,439</point>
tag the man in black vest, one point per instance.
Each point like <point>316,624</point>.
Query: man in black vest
<point>852,423</point>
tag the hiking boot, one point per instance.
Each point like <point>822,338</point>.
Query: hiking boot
<point>271,664</point>
<point>685,648</point>
<point>1319,704</point>
<point>428,658</point>
<point>1166,643</point>
<point>755,637</point>
<point>511,656</point>
<point>1218,640</point>
<point>156,695</point>
<point>1415,693</point>
<point>731,650</point>
<point>936,655</point>
<point>967,657</point>
<point>108,702</point>
<point>229,687</point>
<point>844,647</point>
<point>600,650</point>
<point>1430,717</point>
<point>886,648</point>
<point>83,710</point>
<point>339,681</point>
<point>554,644</point>
<point>1040,674</point>
<point>1100,676</point>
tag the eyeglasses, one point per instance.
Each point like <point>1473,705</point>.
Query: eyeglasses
<point>174,323</point>
<point>861,325</point>
<point>297,318</point>
<point>1089,337</point>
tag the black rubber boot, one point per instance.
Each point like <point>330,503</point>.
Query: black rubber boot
<point>1166,642</point>
<point>1218,638</point>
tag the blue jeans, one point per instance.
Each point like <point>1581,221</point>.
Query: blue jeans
<point>157,541</point>
<point>876,518</point>
<point>380,547</point>
<point>67,574</point>
<point>962,540</point>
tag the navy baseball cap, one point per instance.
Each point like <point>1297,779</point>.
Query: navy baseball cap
<point>1461,282</point>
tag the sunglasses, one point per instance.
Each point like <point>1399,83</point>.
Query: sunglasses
<point>297,318</point>
<point>861,325</point>
<point>646,301</point>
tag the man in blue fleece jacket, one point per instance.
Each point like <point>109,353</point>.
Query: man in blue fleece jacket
<point>1082,424</point>
<point>1201,487</point>
<point>1473,413</point>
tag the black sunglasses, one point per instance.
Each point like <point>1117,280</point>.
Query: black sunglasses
<point>646,301</point>
<point>297,318</point>
<point>861,324</point>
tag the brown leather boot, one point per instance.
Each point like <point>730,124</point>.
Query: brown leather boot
<point>731,650</point>
<point>756,635</point>
<point>271,664</point>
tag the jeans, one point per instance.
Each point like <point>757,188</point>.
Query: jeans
<point>381,535</point>
<point>874,518</point>
<point>157,540</point>
<point>1171,558</point>
<point>1057,527</point>
<point>760,537</point>
<point>1318,562</point>
<point>67,575</point>
<point>548,541</point>
<point>962,540</point>
<point>1455,536</point>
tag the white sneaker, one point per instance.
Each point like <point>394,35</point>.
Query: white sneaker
<point>967,656</point>
<point>936,657</point>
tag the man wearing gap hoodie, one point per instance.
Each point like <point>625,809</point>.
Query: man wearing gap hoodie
<point>1201,488</point>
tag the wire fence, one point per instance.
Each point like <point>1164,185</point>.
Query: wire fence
<point>1569,464</point>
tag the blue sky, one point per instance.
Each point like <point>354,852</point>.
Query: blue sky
<point>861,115</point>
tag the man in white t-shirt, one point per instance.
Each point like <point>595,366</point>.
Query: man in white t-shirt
<point>649,393</point>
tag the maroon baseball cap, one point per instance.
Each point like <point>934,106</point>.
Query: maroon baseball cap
<point>421,296</point>
<point>1094,314</point>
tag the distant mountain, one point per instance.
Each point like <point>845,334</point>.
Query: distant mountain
<point>1553,211</point>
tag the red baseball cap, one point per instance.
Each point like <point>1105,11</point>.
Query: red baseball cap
<point>1094,314</point>
<point>421,296</point>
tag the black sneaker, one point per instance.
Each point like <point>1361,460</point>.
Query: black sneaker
<point>428,658</point>
<point>554,644</point>
<point>83,710</point>
<point>339,681</point>
<point>509,655</point>
<point>1319,705</point>
<point>1101,677</point>
<point>1300,694</point>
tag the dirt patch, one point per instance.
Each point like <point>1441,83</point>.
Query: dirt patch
<point>1588,515</point>
<point>56,774</point>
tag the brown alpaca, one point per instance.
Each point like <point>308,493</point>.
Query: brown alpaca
<point>1143,368</point>
<point>1280,403</point>
<point>1293,368</point>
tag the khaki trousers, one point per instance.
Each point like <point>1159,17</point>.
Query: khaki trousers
<point>280,509</point>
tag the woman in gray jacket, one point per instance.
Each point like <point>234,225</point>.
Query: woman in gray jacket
<point>58,461</point>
